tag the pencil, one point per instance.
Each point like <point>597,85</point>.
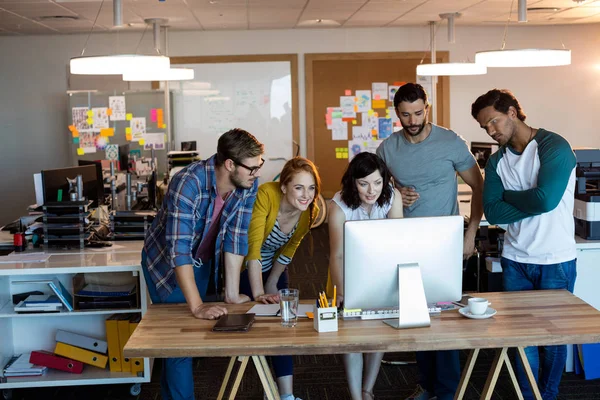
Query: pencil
<point>334,302</point>
<point>325,299</point>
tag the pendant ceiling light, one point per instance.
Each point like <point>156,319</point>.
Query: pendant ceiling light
<point>451,69</point>
<point>515,58</point>
<point>116,64</point>
<point>159,74</point>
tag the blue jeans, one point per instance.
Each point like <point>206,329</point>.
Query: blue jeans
<point>519,276</point>
<point>282,365</point>
<point>439,372</point>
<point>177,379</point>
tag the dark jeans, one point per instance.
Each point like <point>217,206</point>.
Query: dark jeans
<point>439,372</point>
<point>282,365</point>
<point>177,379</point>
<point>519,276</point>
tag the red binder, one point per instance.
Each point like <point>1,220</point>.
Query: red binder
<point>51,360</point>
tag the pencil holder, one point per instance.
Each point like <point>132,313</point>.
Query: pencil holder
<point>325,319</point>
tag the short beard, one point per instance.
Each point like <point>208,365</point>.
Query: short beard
<point>414,134</point>
<point>237,182</point>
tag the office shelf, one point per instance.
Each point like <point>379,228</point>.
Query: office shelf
<point>23,333</point>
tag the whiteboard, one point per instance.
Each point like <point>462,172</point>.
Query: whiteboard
<point>254,96</point>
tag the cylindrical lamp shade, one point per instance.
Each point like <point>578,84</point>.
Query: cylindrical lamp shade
<point>118,64</point>
<point>524,58</point>
<point>451,69</point>
<point>173,74</point>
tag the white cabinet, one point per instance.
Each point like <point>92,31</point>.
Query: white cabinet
<point>21,333</point>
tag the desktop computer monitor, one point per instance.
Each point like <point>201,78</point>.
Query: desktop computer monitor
<point>373,249</point>
<point>54,180</point>
<point>96,189</point>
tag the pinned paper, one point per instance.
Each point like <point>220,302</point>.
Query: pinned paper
<point>76,140</point>
<point>339,130</point>
<point>348,92</point>
<point>80,151</point>
<point>154,141</point>
<point>117,108</point>
<point>80,118</point>
<point>392,92</point>
<point>363,100</point>
<point>100,117</point>
<point>385,128</point>
<point>128,130</point>
<point>380,90</point>
<point>347,104</point>
<point>360,133</point>
<point>89,113</point>
<point>107,132</point>
<point>128,116</point>
<point>101,142</point>
<point>379,104</point>
<point>138,128</point>
<point>112,152</point>
<point>75,133</point>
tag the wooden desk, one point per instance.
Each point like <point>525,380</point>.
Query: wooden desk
<point>523,319</point>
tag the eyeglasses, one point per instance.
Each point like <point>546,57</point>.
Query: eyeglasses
<point>251,169</point>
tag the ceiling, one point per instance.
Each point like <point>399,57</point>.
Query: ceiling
<point>34,17</point>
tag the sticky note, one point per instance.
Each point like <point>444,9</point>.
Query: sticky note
<point>142,142</point>
<point>107,132</point>
<point>353,122</point>
<point>347,92</point>
<point>128,136</point>
<point>76,140</point>
<point>370,113</point>
<point>355,99</point>
<point>376,114</point>
<point>153,114</point>
<point>128,116</point>
<point>338,155</point>
<point>373,132</point>
<point>128,130</point>
<point>379,103</point>
<point>90,121</point>
<point>164,126</point>
<point>377,97</point>
<point>355,108</point>
<point>72,128</point>
<point>75,133</point>
<point>90,113</point>
<point>109,111</point>
<point>80,151</point>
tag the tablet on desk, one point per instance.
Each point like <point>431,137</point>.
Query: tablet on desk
<point>234,323</point>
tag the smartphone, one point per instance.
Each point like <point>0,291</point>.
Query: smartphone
<point>464,301</point>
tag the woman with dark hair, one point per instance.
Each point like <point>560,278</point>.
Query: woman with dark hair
<point>283,214</point>
<point>367,193</point>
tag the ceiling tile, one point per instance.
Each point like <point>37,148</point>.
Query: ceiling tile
<point>33,10</point>
<point>17,24</point>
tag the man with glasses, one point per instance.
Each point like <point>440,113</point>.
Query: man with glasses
<point>201,225</point>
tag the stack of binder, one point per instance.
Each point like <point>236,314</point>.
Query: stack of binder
<point>94,296</point>
<point>118,329</point>
<point>20,365</point>
<point>85,349</point>
<point>39,303</point>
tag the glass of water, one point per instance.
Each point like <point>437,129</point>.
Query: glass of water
<point>288,305</point>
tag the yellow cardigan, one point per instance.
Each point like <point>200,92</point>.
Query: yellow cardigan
<point>264,215</point>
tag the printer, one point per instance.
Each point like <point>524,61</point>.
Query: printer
<point>587,194</point>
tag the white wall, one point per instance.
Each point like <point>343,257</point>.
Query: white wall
<point>33,82</point>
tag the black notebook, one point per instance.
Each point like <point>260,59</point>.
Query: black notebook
<point>234,323</point>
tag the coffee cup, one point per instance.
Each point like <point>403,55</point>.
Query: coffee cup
<point>478,305</point>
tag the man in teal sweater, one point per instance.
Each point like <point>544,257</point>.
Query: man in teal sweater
<point>529,185</point>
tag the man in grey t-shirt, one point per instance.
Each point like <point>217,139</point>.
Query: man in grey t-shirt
<point>424,159</point>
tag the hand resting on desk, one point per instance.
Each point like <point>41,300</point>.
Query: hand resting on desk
<point>209,311</point>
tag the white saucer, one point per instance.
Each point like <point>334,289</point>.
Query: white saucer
<point>490,312</point>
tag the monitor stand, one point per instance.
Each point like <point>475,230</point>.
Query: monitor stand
<point>412,307</point>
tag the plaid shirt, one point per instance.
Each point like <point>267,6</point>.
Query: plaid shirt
<point>184,219</point>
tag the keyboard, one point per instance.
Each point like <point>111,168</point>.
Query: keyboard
<point>381,314</point>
